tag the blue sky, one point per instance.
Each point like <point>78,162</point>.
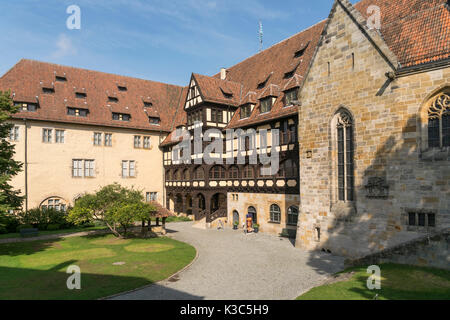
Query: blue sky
<point>161,40</point>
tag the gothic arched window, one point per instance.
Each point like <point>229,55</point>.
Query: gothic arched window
<point>345,152</point>
<point>439,122</point>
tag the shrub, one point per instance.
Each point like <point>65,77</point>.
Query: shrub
<point>8,223</point>
<point>41,219</point>
<point>53,227</point>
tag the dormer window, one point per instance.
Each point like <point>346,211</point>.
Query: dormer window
<point>302,50</point>
<point>246,111</point>
<point>113,99</point>
<point>48,90</point>
<point>26,106</point>
<point>77,112</point>
<point>266,105</point>
<point>121,116</point>
<point>226,93</point>
<point>80,95</point>
<point>154,121</point>
<point>122,88</point>
<point>290,96</point>
<point>60,78</point>
<point>148,104</point>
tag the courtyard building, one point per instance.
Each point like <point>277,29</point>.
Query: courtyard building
<point>357,108</point>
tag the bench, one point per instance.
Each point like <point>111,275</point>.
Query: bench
<point>32,232</point>
<point>288,233</point>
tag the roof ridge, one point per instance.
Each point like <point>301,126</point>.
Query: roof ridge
<point>94,71</point>
<point>276,44</point>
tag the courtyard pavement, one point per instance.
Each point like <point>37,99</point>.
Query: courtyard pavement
<point>233,266</point>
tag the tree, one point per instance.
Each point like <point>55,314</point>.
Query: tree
<point>116,206</point>
<point>9,198</point>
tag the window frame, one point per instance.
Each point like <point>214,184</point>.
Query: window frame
<point>275,213</point>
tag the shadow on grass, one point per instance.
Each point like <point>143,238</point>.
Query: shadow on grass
<point>30,284</point>
<point>26,248</point>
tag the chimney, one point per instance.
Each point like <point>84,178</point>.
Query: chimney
<point>223,74</point>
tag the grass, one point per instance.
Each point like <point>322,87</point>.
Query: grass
<point>398,282</point>
<point>64,231</point>
<point>37,269</point>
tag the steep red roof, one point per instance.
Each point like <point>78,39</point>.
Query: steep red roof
<point>416,31</point>
<point>27,79</point>
<point>215,90</point>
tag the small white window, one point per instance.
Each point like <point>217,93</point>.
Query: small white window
<point>137,141</point>
<point>108,139</point>
<point>59,136</point>
<point>146,142</point>
<point>128,168</point>
<point>89,166</point>
<point>47,135</point>
<point>97,139</point>
<point>14,133</point>
<point>77,168</point>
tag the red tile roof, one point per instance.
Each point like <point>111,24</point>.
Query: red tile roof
<point>416,31</point>
<point>214,90</point>
<point>27,78</point>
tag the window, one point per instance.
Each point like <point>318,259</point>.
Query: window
<point>234,172</point>
<point>421,219</point>
<point>248,172</point>
<point>77,112</point>
<point>252,213</point>
<point>97,139</point>
<point>345,150</point>
<point>54,204</point>
<point>288,133</point>
<point>292,215</point>
<point>80,95</point>
<point>60,78</point>
<point>154,121</point>
<point>89,166</point>
<point>59,136</point>
<point>113,99</point>
<point>216,173</point>
<point>14,133</point>
<point>26,106</point>
<point>275,213</point>
<point>439,122</point>
<point>151,196</point>
<point>289,169</point>
<point>122,88</point>
<point>199,174</point>
<point>146,142</point>
<point>121,116</point>
<point>186,175</point>
<point>83,168</point>
<point>290,96</point>
<point>128,168</point>
<point>47,135</point>
<point>48,90</point>
<point>217,115</point>
<point>108,140</point>
<point>246,111</point>
<point>137,141</point>
<point>266,105</point>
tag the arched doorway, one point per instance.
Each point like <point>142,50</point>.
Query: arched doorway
<point>189,204</point>
<point>201,201</point>
<point>218,201</point>
<point>235,217</point>
<point>178,204</point>
<point>252,213</point>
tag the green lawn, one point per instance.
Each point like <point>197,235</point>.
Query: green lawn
<point>398,282</point>
<point>37,270</point>
<point>64,231</point>
<point>178,219</point>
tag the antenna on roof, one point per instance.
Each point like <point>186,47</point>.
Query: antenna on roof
<point>260,35</point>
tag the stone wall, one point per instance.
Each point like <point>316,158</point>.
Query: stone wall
<point>349,73</point>
<point>427,251</point>
<point>240,202</point>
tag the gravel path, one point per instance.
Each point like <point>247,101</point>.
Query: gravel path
<point>234,266</point>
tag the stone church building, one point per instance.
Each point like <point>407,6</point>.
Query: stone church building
<point>357,107</point>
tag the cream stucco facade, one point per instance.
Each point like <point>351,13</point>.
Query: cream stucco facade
<point>49,169</point>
